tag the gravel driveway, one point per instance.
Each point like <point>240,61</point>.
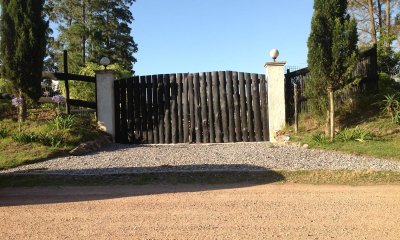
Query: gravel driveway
<point>205,157</point>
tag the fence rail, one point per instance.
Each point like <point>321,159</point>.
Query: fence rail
<point>72,77</point>
<point>199,108</point>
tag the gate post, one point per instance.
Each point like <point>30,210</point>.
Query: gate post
<point>105,101</point>
<point>276,97</point>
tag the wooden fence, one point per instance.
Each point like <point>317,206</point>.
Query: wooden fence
<point>211,107</point>
<point>66,77</point>
<point>366,69</point>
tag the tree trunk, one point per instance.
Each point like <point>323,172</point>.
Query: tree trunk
<point>332,113</point>
<point>84,34</point>
<point>380,20</point>
<point>22,109</point>
<point>372,22</point>
<point>388,24</point>
<point>327,123</point>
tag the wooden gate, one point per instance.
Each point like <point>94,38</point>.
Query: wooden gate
<point>211,107</point>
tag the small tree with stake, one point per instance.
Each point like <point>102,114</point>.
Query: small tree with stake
<point>23,45</point>
<point>332,52</point>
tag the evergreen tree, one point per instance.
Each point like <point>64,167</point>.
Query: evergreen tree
<point>332,52</point>
<point>111,35</point>
<point>91,29</point>
<point>23,43</point>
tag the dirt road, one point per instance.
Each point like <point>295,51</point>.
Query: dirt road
<point>274,211</point>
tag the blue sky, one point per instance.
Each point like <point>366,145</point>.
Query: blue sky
<point>215,35</point>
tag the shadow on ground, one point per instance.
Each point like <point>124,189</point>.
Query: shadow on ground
<point>27,188</point>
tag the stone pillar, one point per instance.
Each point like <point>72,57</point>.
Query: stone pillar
<point>105,101</point>
<point>276,97</point>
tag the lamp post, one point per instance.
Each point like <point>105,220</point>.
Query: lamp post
<point>105,61</point>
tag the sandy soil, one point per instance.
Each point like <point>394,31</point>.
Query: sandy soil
<point>274,211</point>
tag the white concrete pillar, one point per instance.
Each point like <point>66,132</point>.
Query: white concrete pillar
<point>105,101</point>
<point>276,97</point>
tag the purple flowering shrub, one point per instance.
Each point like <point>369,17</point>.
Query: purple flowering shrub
<point>17,101</point>
<point>58,98</point>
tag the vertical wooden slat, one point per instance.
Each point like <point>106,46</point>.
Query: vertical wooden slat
<point>256,107</point>
<point>296,104</point>
<point>210,107</point>
<point>174,110</point>
<point>136,110</point>
<point>131,117</point>
<point>236,103</point>
<point>161,113</point>
<point>180,107</point>
<point>155,108</point>
<point>191,109</point>
<point>117,116</point>
<point>67,106</point>
<point>185,106</point>
<point>149,109</point>
<point>216,106</point>
<point>249,108</point>
<point>197,113</point>
<point>203,100</point>
<point>229,98</point>
<point>167,116</point>
<point>143,108</point>
<point>264,107</point>
<point>224,111</point>
<point>124,123</point>
<point>243,107</point>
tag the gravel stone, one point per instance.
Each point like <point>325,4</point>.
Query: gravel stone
<point>259,156</point>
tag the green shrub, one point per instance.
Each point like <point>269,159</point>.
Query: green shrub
<point>23,137</point>
<point>62,122</point>
<point>3,133</point>
<point>387,85</point>
<point>52,140</point>
<point>391,105</point>
<point>320,139</point>
<point>354,134</point>
<point>397,117</point>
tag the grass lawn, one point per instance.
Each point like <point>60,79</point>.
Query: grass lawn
<point>382,138</point>
<point>317,177</point>
<point>15,154</point>
<point>42,136</point>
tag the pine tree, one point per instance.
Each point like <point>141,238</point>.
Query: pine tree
<point>332,52</point>
<point>23,46</point>
<point>91,29</point>
<point>112,35</point>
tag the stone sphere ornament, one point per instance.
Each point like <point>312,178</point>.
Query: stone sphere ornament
<point>274,53</point>
<point>105,61</point>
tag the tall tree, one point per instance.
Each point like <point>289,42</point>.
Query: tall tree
<point>23,43</point>
<point>376,19</point>
<point>91,29</point>
<point>332,51</point>
<point>72,19</point>
<point>112,35</point>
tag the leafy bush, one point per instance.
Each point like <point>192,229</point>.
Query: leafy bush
<point>63,122</point>
<point>397,117</point>
<point>391,106</point>
<point>23,137</point>
<point>52,140</point>
<point>320,139</point>
<point>354,134</point>
<point>387,85</point>
<point>3,133</point>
